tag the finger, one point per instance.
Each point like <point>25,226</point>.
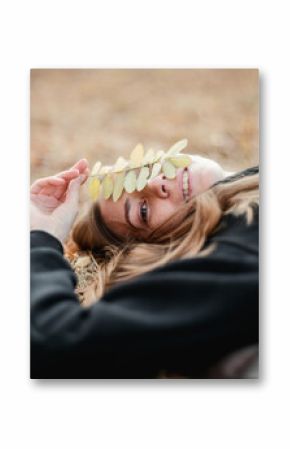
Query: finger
<point>44,201</point>
<point>78,168</point>
<point>85,175</point>
<point>67,175</point>
<point>82,179</point>
<point>81,165</point>
<point>72,196</point>
<point>41,183</point>
<point>59,192</point>
<point>56,191</point>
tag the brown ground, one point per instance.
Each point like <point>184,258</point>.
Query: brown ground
<point>101,114</point>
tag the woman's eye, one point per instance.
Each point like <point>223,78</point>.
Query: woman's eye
<point>144,212</point>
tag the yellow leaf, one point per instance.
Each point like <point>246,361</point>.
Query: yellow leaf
<point>105,170</point>
<point>149,157</point>
<point>181,161</point>
<point>107,186</point>
<point>159,155</point>
<point>177,147</point>
<point>136,157</point>
<point>118,185</point>
<point>96,168</point>
<point>142,178</point>
<point>155,170</point>
<point>94,188</point>
<point>168,169</point>
<point>130,181</point>
<point>120,165</point>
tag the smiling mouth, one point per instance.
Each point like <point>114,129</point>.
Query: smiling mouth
<point>185,185</point>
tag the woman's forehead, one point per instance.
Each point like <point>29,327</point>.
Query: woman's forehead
<point>112,211</point>
<point>114,216</point>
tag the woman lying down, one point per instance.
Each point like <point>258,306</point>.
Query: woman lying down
<point>158,278</point>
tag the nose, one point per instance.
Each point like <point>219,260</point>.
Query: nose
<point>159,187</point>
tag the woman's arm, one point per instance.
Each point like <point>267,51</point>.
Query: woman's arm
<point>182,318</point>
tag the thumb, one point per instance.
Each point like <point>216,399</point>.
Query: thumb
<point>74,190</point>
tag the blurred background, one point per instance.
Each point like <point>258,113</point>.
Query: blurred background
<point>102,114</point>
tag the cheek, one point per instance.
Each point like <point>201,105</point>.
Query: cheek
<point>207,179</point>
<point>162,212</point>
<point>209,175</point>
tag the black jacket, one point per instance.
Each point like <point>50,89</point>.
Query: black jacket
<point>181,318</point>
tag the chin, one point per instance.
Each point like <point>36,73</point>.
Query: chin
<point>205,172</point>
<point>210,178</point>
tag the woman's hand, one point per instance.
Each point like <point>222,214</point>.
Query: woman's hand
<point>55,200</point>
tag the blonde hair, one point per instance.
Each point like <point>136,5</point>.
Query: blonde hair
<point>101,259</point>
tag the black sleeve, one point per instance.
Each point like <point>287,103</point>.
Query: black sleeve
<point>182,317</point>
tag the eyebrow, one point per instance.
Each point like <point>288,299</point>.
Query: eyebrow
<point>127,207</point>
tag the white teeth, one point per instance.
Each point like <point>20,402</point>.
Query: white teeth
<point>185,185</point>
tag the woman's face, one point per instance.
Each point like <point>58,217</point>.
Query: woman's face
<point>139,213</point>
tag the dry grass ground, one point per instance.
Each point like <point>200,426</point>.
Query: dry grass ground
<point>101,114</point>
